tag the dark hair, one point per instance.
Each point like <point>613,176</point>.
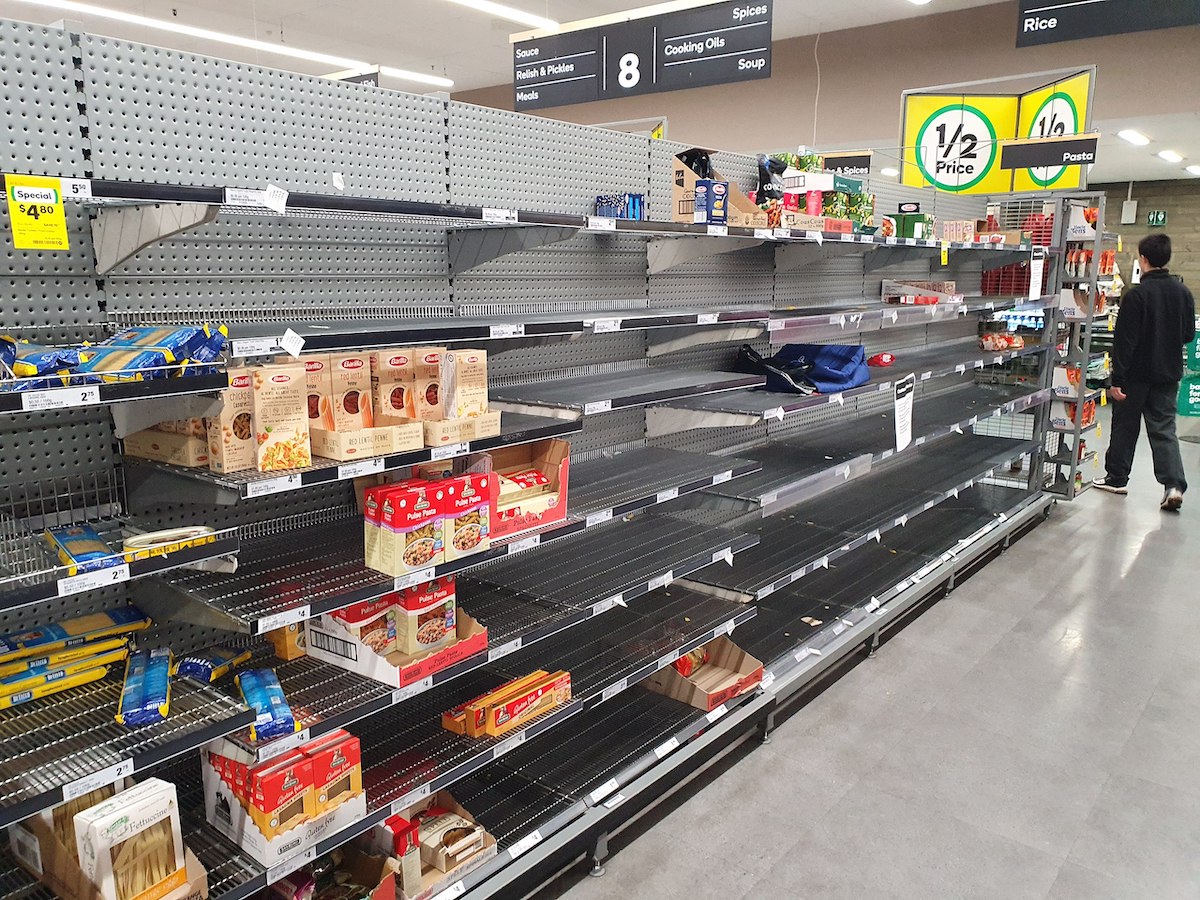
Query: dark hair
<point>1156,248</point>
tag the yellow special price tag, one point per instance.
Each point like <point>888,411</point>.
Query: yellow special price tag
<point>1104,398</point>
<point>945,253</point>
<point>35,211</point>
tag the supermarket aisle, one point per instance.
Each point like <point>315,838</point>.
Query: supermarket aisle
<point>1035,735</point>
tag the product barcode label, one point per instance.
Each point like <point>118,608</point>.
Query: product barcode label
<point>603,791</point>
<point>424,576</point>
<point>60,398</point>
<point>273,485</point>
<point>86,581</point>
<point>26,848</point>
<point>510,744</point>
<point>525,844</point>
<point>525,543</point>
<point>504,649</point>
<point>613,689</point>
<point>925,376</point>
<point>414,796</point>
<point>360,468</point>
<point>103,778</point>
<point>280,619</point>
<point>501,216</point>
<point>606,326</point>
<point>508,330</point>
<point>718,230</point>
<point>449,451</point>
<point>665,661</point>
<point>707,319</point>
<point>601,223</point>
<point>290,865</point>
<point>912,242</point>
<point>253,347</point>
<point>717,713</point>
<point>668,494</point>
<point>599,518</point>
<point>663,749</point>
<point>597,406</point>
<point>661,581</point>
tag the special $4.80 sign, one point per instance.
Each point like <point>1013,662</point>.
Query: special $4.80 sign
<point>35,212</point>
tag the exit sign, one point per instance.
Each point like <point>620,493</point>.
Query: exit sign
<point>1156,218</point>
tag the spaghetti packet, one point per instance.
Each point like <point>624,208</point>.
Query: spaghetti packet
<point>146,696</point>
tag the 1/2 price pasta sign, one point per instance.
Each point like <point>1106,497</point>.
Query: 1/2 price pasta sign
<point>35,212</point>
<point>952,141</point>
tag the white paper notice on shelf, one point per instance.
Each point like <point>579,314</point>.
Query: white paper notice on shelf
<point>61,398</point>
<point>601,223</point>
<point>718,230</point>
<point>603,791</point>
<point>668,747</point>
<point>338,180</point>
<point>359,468</point>
<point>707,319</point>
<point>726,555</point>
<point>598,518</point>
<point>292,343</point>
<point>276,198</point>
<point>86,581</point>
<point>597,406</point>
<point>499,216</point>
<point>291,864</point>
<point>1037,266</point>
<point>103,778</point>
<point>903,393</point>
<point>606,326</point>
<point>448,451</point>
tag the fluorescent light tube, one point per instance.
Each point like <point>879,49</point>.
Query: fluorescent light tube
<point>87,9</point>
<point>1194,170</point>
<point>1170,156</point>
<point>500,11</point>
<point>1134,137</point>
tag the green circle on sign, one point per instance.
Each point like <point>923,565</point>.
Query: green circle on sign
<point>954,189</point>
<point>1057,95</point>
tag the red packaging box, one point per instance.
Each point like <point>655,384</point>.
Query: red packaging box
<point>336,768</point>
<point>467,523</point>
<point>410,528</point>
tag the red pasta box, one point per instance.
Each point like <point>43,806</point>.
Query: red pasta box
<point>372,622</point>
<point>426,616</point>
<point>410,528</point>
<point>281,793</point>
<point>467,524</point>
<point>337,768</point>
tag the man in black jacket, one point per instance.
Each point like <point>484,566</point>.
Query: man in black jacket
<point>1157,318</point>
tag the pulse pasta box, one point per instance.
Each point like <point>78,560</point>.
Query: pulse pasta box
<point>410,528</point>
<point>130,846</point>
<point>467,524</point>
<point>280,419</point>
<point>231,430</point>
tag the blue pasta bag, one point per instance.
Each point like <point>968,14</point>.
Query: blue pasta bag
<point>146,696</point>
<point>262,693</point>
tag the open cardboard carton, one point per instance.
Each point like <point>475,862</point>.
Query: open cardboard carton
<point>375,872</point>
<point>225,813</point>
<point>729,672</point>
<point>434,880</point>
<point>742,212</point>
<point>552,458</point>
<point>36,847</point>
<point>368,442</point>
<point>1068,381</point>
<point>329,642</point>
<point>441,432</point>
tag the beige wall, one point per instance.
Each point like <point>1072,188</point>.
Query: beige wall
<point>863,71</point>
<point>1181,200</point>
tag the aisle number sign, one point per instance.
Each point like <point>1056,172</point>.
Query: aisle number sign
<point>35,212</point>
<point>952,141</point>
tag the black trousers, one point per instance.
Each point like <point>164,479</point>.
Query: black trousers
<point>1156,404</point>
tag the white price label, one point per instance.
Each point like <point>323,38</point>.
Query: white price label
<point>525,544</point>
<point>291,864</point>
<point>800,654</point>
<point>717,713</point>
<point>360,468</point>
<point>414,796</point>
<point>499,216</point>
<point>838,628</point>
<point>598,518</point>
<point>292,343</point>
<point>847,238</point>
<point>768,679</point>
<point>979,363</point>
<point>86,581</point>
<point>911,242</point>
<point>606,326</point>
<point>723,477</point>
<point>283,745</point>
<point>104,777</point>
<point>507,330</point>
<point>768,498</point>
<point>873,605</point>
<point>661,581</point>
<point>614,802</point>
<point>449,451</point>
<point>669,747</point>
<point>815,236</point>
<point>783,234</point>
<point>960,369</point>
<point>273,485</point>
<point>60,398</point>
<point>455,890</point>
<point>604,606</point>
<point>287,617</point>
<point>838,399</point>
<point>822,563</point>
<point>874,536</point>
<point>723,628</point>
<point>902,521</point>
<point>925,376</point>
<point>668,494</point>
<point>603,791</point>
<point>507,746</point>
<point>718,230</point>
<point>773,413</point>
<point>889,240</point>
<point>253,347</point>
<point>707,319</point>
<point>764,234</point>
<point>244,197</point>
<point>276,198</point>
<point>726,555</point>
<point>76,188</point>
<point>775,325</point>
<point>338,180</point>
<point>504,649</point>
<point>525,844</point>
<point>597,406</point>
<point>601,223</point>
<point>613,689</point>
<point>424,576</point>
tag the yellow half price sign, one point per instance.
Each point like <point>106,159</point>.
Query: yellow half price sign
<point>35,211</point>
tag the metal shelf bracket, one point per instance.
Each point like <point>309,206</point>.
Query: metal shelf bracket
<point>667,253</point>
<point>790,257</point>
<point>471,247</point>
<point>119,232</point>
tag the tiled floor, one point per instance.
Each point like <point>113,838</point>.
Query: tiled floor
<point>1034,735</point>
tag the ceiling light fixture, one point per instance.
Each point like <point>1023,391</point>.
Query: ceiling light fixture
<point>500,11</point>
<point>1194,170</point>
<point>889,172</point>
<point>1170,156</point>
<point>920,2</point>
<point>204,34</point>
<point>1134,137</point>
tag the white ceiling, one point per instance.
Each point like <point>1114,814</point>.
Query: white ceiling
<point>435,36</point>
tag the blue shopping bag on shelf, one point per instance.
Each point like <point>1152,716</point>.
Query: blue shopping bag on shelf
<point>828,367</point>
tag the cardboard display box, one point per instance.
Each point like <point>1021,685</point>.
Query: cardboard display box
<point>741,211</point>
<point>729,672</point>
<point>433,880</point>
<point>1062,413</point>
<point>368,442</point>
<point>551,457</point>
<point>329,642</point>
<point>375,872</point>
<point>161,446</point>
<point>456,431</point>
<point>1068,381</point>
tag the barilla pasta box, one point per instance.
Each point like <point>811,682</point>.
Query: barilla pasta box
<point>337,768</point>
<point>464,383</point>
<point>427,384</point>
<point>712,202</point>
<point>350,379</point>
<point>319,384</point>
<point>231,431</point>
<point>393,378</point>
<point>410,531</point>
<point>280,418</point>
<point>467,522</point>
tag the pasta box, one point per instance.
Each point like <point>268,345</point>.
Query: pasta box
<point>410,527</point>
<point>425,616</point>
<point>549,457</point>
<point>467,522</point>
<point>367,442</point>
<point>280,418</point>
<point>230,432</point>
<point>393,377</point>
<point>741,211</point>
<point>336,768</point>
<point>433,880</point>
<point>728,672</point>
<point>350,383</point>
<point>161,446</point>
<point>329,642</point>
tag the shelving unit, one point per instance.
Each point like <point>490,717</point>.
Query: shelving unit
<point>797,527</point>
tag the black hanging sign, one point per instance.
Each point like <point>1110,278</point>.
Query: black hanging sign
<point>1053,21</point>
<point>852,164</point>
<point>708,45</point>
<point>1049,153</point>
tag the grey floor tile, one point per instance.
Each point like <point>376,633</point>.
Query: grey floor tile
<point>875,844</point>
<point>1006,785</point>
<point>1078,883</point>
<point>1164,748</point>
<point>960,625</point>
<point>1141,832</point>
